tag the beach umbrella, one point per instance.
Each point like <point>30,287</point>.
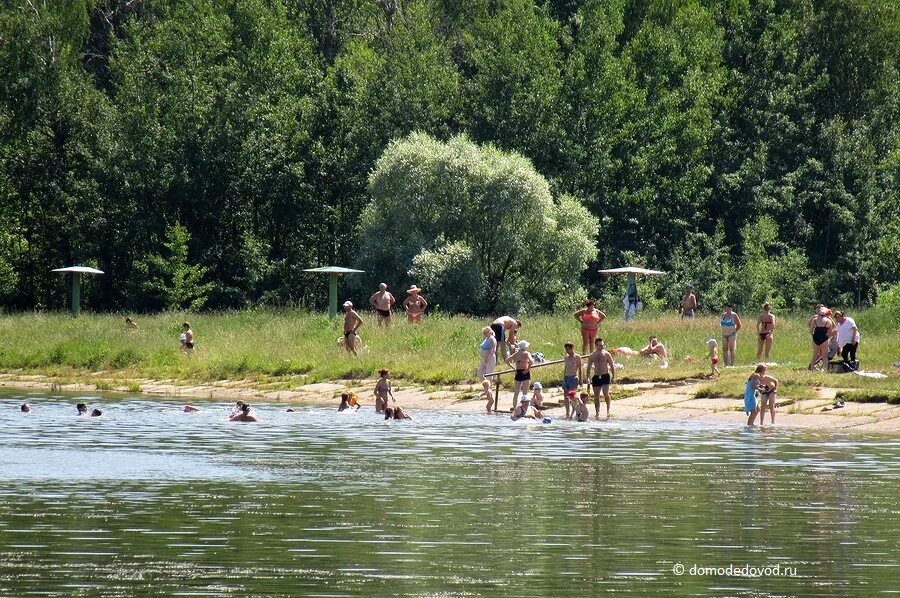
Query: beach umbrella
<point>77,271</point>
<point>631,301</point>
<point>333,273</point>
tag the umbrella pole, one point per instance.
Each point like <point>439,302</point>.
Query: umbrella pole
<point>76,293</point>
<point>332,295</point>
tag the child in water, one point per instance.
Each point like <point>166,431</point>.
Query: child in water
<point>713,345</point>
<point>581,408</point>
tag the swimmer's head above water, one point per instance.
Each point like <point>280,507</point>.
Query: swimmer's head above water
<point>81,408</point>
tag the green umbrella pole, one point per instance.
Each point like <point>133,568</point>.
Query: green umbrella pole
<point>76,293</point>
<point>332,295</point>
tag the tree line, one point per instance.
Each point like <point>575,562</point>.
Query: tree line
<point>204,152</point>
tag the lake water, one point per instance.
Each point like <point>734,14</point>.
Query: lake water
<point>150,500</point>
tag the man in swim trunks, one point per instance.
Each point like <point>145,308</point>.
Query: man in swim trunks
<point>765,328</point>
<point>500,326</point>
<point>383,302</point>
<point>572,375</point>
<point>688,305</point>
<point>415,305</point>
<point>521,360</point>
<point>605,373</point>
<point>352,322</point>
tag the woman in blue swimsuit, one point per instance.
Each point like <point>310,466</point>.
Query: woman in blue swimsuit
<point>731,323</point>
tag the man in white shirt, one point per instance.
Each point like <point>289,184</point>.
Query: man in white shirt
<point>847,338</point>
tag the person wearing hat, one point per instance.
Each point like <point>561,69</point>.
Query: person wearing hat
<point>537,395</point>
<point>383,302</point>
<point>688,305</point>
<point>525,409</point>
<point>414,305</point>
<point>352,322</point>
<point>521,360</point>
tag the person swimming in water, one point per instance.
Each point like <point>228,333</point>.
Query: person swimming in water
<point>25,408</point>
<point>81,408</point>
<point>96,413</point>
<point>525,410</point>
<point>345,403</point>
<point>244,415</point>
<point>399,413</point>
<point>190,409</point>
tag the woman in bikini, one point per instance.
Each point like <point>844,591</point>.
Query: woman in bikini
<point>768,393</point>
<point>590,318</point>
<point>382,390</point>
<point>765,328</point>
<point>415,305</point>
<point>821,327</point>
<point>731,323</point>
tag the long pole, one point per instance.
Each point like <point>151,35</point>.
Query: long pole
<point>76,293</point>
<point>332,294</point>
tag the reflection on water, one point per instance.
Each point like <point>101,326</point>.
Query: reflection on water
<point>148,499</point>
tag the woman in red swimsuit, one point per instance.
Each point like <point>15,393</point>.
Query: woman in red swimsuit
<point>590,318</point>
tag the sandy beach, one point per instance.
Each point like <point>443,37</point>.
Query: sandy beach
<point>669,401</point>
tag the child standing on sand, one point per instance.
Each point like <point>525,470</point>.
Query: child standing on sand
<point>487,395</point>
<point>713,345</point>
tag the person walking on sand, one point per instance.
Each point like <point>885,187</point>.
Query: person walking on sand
<point>768,392</point>
<point>731,324</point>
<point>488,349</point>
<point>383,390</point>
<point>500,326</point>
<point>572,375</point>
<point>601,362</point>
<point>383,303</point>
<point>352,322</point>
<point>415,305</point>
<point>765,328</point>
<point>847,338</point>
<point>187,338</point>
<point>688,305</point>
<point>590,318</point>
<point>821,327</point>
<point>521,360</point>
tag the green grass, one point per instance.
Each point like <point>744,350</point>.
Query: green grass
<point>289,348</point>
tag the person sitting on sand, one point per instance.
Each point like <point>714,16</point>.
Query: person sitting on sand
<point>655,349</point>
<point>713,345</point>
<point>187,338</point>
<point>382,390</point>
<point>352,322</point>
<point>521,360</point>
<point>190,409</point>
<point>130,324</point>
<point>767,386</point>
<point>383,303</point>
<point>345,403</point>
<point>244,415</point>
<point>96,413</point>
<point>537,396</point>
<point>415,305</point>
<point>581,407</point>
<point>525,410</point>
<point>25,408</point>
<point>487,395</point>
<point>399,413</point>
<point>81,408</point>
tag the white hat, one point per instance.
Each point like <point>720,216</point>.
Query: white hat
<point>413,289</point>
<point>524,399</point>
<point>712,341</point>
<point>537,385</point>
<point>348,304</point>
<point>523,345</point>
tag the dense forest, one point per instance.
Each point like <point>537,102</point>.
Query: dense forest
<point>204,152</point>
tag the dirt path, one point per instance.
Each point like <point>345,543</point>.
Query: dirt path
<point>654,401</point>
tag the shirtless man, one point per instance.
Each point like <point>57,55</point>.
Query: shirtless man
<point>688,305</point>
<point>500,326</point>
<point>572,375</point>
<point>605,373</point>
<point>244,415</point>
<point>383,302</point>
<point>415,305</point>
<point>521,360</point>
<point>765,328</point>
<point>352,322</point>
<point>655,349</point>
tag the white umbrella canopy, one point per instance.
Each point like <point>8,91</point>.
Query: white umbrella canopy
<point>80,270</point>
<point>632,270</point>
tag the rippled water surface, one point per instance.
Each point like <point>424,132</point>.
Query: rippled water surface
<point>150,500</point>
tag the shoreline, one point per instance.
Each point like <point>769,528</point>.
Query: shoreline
<point>646,401</point>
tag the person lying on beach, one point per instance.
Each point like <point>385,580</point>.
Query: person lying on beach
<point>190,409</point>
<point>25,408</point>
<point>345,403</point>
<point>96,413</point>
<point>244,415</point>
<point>130,324</point>
<point>81,408</point>
<point>399,413</point>
<point>624,352</point>
<point>581,408</point>
<point>525,410</point>
<point>487,395</point>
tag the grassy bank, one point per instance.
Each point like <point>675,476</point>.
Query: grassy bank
<point>294,347</point>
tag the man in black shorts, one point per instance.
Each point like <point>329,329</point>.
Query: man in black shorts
<point>604,374</point>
